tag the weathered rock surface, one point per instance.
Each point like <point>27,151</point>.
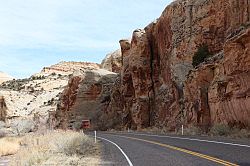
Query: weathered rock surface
<point>113,62</point>
<point>5,77</point>
<point>83,97</point>
<point>218,92</point>
<point>26,104</point>
<point>159,86</point>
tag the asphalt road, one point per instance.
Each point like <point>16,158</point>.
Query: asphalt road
<point>140,149</point>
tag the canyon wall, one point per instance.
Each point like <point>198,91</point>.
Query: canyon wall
<point>83,98</point>
<point>218,91</point>
<point>160,87</point>
<point>157,85</point>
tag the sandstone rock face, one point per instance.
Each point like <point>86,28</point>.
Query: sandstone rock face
<point>83,97</point>
<point>159,86</point>
<point>218,92</point>
<point>113,62</point>
<point>136,79</point>
<point>5,77</point>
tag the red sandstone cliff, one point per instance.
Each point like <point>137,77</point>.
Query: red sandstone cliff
<point>159,86</point>
<point>218,91</point>
<point>83,97</point>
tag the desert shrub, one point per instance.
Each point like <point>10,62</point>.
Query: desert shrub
<point>37,77</point>
<point>192,130</point>
<point>200,55</point>
<point>53,74</point>
<point>220,129</point>
<point>76,145</point>
<point>57,147</point>
<point>240,133</point>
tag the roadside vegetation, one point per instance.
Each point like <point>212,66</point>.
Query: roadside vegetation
<point>217,130</point>
<point>51,148</point>
<point>225,130</point>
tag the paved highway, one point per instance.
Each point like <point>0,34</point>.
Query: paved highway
<point>139,149</point>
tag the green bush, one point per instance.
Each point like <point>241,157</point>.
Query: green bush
<point>37,77</point>
<point>200,55</point>
<point>220,130</point>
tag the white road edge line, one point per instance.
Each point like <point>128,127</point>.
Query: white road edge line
<point>128,160</point>
<point>194,139</point>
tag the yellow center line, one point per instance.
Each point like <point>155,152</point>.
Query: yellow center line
<point>223,162</point>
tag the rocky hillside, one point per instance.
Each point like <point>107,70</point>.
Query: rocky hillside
<point>66,68</point>
<point>87,95</point>
<point>191,66</point>
<point>26,104</point>
<point>5,77</point>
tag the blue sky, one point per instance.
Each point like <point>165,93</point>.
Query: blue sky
<point>38,33</point>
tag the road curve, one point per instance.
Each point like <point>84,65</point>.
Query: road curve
<point>139,149</point>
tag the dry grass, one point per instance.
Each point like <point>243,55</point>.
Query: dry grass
<point>57,148</point>
<point>9,145</point>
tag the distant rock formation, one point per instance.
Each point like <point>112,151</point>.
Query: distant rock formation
<point>66,68</point>
<point>113,62</point>
<point>27,104</point>
<point>5,77</point>
<point>83,97</point>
